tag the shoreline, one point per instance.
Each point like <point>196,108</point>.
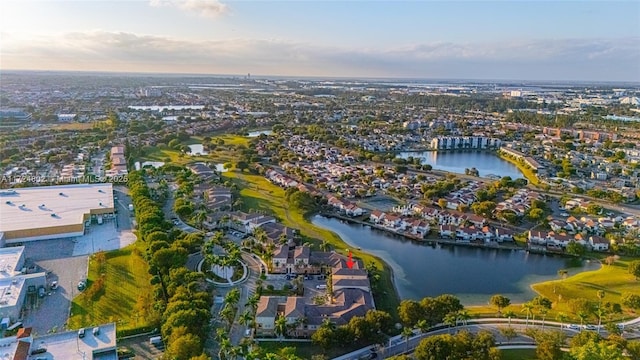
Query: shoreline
<point>476,300</point>
<point>526,172</point>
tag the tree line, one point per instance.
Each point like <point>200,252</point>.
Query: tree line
<point>182,301</point>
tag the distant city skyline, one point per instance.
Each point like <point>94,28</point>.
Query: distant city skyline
<point>500,40</point>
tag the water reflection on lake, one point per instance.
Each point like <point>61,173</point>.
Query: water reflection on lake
<point>472,274</point>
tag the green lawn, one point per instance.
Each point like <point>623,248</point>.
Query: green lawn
<point>127,291</point>
<point>612,279</point>
<point>259,194</point>
<point>519,354</point>
<point>527,172</point>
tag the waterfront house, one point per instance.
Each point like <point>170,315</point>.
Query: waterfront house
<point>598,243</point>
<point>503,234</point>
<point>377,216</point>
<point>447,231</point>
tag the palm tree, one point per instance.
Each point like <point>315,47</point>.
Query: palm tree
<point>463,316</point>
<point>225,348</point>
<point>450,319</point>
<point>543,312</point>
<point>326,323</point>
<point>246,318</point>
<point>562,317</point>
<point>406,334</point>
<point>281,326</point>
<point>422,325</point>
<point>509,314</point>
<point>232,297</point>
<point>253,301</point>
<point>527,308</point>
<point>200,218</point>
<point>583,316</point>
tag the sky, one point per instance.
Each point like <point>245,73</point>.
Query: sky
<point>511,40</point>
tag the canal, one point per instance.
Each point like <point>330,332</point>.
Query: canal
<point>472,274</point>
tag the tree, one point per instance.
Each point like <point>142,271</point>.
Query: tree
<point>500,302</point>
<point>631,300</point>
<point>185,347</point>
<point>422,325</point>
<point>410,312</point>
<point>406,334</point>
<point>576,249</point>
<point>596,350</point>
<point>281,326</point>
<point>463,316</point>
<point>536,215</point>
<point>583,316</point>
<point>509,314</point>
<point>634,269</point>
<point>562,318</point>
<point>508,333</point>
<point>527,308</point>
<point>442,203</point>
<point>435,348</point>
<point>451,319</point>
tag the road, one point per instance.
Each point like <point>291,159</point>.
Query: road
<point>398,345</point>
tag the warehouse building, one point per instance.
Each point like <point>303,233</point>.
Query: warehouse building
<point>52,212</point>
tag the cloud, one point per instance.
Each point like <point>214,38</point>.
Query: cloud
<point>204,8</point>
<point>563,59</point>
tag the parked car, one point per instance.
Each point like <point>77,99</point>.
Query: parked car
<point>54,285</point>
<point>41,291</point>
<point>96,331</point>
<point>81,333</point>
<point>573,327</point>
<point>39,351</point>
<point>82,285</point>
<point>308,277</point>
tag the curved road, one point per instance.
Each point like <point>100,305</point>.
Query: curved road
<point>398,345</point>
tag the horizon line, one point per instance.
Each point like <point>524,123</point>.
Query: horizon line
<point>317,77</point>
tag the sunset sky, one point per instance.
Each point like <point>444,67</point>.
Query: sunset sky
<point>526,40</point>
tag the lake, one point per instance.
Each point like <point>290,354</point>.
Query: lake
<point>258,133</point>
<point>487,163</point>
<point>471,274</point>
<point>197,149</point>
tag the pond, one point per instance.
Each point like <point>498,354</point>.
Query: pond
<point>260,132</point>
<point>197,149</point>
<point>471,274</point>
<point>487,163</point>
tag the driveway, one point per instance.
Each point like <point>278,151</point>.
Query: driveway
<point>52,311</point>
<point>141,347</point>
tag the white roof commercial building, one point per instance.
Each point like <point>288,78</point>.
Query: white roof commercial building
<point>51,212</point>
<point>15,285</point>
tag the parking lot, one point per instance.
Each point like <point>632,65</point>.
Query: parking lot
<point>52,311</point>
<point>141,347</point>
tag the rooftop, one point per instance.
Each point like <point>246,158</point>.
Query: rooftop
<point>10,261</point>
<point>69,346</point>
<point>47,206</point>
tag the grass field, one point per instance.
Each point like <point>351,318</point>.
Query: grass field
<point>613,280</point>
<point>259,194</point>
<point>126,282</point>
<point>519,354</point>
<point>222,153</point>
<point>528,173</point>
